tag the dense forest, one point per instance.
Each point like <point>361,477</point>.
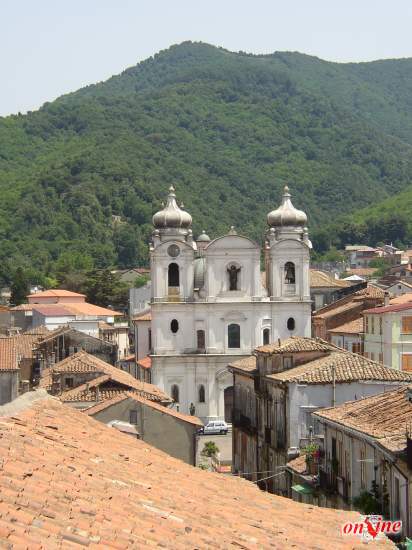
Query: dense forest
<point>229,130</point>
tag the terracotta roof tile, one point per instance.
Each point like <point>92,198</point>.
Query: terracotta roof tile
<point>298,464</point>
<point>56,292</point>
<point>295,344</point>
<point>343,366</point>
<point>321,279</point>
<point>402,299</point>
<point>144,316</point>
<point>385,417</point>
<point>69,480</point>
<point>22,307</point>
<point>8,355</point>
<point>247,364</point>
<point>145,362</point>
<point>352,327</point>
<point>85,363</point>
<point>133,395</point>
<point>391,308</point>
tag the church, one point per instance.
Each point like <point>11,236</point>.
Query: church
<point>212,305</point>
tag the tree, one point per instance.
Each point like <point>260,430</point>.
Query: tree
<point>210,449</point>
<point>103,288</point>
<point>20,287</point>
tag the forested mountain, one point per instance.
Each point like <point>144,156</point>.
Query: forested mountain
<point>229,130</point>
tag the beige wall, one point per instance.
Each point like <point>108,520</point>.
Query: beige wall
<point>163,431</point>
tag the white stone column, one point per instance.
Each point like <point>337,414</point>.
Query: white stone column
<point>221,400</point>
<point>212,393</point>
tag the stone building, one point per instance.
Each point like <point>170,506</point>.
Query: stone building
<point>274,400</point>
<point>209,306</point>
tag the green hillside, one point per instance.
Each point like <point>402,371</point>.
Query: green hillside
<point>228,130</point>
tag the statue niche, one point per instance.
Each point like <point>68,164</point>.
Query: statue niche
<point>233,272</point>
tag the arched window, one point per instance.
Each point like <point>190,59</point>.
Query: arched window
<point>290,277</point>
<point>291,323</point>
<point>201,344</point>
<point>266,336</point>
<point>174,326</point>
<point>175,393</point>
<point>233,336</point>
<point>202,394</point>
<point>173,274</point>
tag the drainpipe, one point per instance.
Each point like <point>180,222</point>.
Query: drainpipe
<point>333,386</point>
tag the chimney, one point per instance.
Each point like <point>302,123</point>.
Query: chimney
<point>386,298</point>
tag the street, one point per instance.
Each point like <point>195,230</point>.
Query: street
<point>224,443</point>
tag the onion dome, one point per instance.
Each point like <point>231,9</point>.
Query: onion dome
<point>172,215</point>
<point>203,238</point>
<point>287,215</point>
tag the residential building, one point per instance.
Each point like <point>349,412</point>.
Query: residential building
<point>209,306</point>
<point>326,289</point>
<point>274,401</point>
<point>345,310</point>
<point>87,484</point>
<point>82,379</point>
<point>118,335</point>
<point>9,371</point>
<point>360,255</point>
<point>388,335</point>
<point>348,336</point>
<point>367,449</point>
<point>142,329</point>
<point>164,428</point>
<point>56,345</point>
<point>133,274</point>
<point>139,299</point>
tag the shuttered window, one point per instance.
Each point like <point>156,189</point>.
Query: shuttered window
<point>407,362</point>
<point>407,325</point>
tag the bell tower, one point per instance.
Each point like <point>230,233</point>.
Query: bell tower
<point>287,253</point>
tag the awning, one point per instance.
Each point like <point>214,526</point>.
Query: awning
<point>303,489</point>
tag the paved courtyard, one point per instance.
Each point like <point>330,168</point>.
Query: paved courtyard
<point>224,442</point>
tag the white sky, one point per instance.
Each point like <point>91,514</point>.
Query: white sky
<point>50,47</point>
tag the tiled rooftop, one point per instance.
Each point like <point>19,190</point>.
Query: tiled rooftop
<point>83,362</point>
<point>402,299</point>
<point>385,417</point>
<point>56,293</point>
<point>69,481</point>
<point>391,308</point>
<point>144,316</point>
<point>343,366</point>
<point>321,279</point>
<point>298,464</point>
<point>8,355</point>
<point>132,395</point>
<point>247,364</point>
<point>352,327</point>
<point>76,309</point>
<point>295,344</point>
<point>145,362</point>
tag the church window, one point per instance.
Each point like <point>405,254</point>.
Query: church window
<point>266,336</point>
<point>200,335</point>
<point>233,274</point>
<point>291,323</point>
<point>202,394</point>
<point>173,275</point>
<point>175,393</point>
<point>174,326</point>
<point>233,336</point>
<point>290,277</point>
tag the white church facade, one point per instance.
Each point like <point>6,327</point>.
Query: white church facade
<point>211,305</point>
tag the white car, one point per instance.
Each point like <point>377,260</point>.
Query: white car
<point>215,427</point>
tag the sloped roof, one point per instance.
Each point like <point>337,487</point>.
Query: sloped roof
<point>94,409</point>
<point>391,308</point>
<point>145,362</point>
<point>84,362</point>
<point>22,307</point>
<point>247,364</point>
<point>352,327</point>
<point>402,299</point>
<point>8,355</point>
<point>56,292</point>
<point>70,309</point>
<point>295,344</point>
<point>144,316</point>
<point>384,417</point>
<point>298,464</point>
<point>341,366</point>
<point>321,279</point>
<point>70,480</point>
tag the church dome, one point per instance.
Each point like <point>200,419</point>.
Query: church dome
<point>172,215</point>
<point>203,238</point>
<point>287,215</point>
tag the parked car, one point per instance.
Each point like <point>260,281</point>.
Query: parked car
<point>215,427</point>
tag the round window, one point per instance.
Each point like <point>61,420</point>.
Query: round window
<point>173,250</point>
<point>174,326</point>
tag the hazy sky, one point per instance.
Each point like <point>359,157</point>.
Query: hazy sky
<point>50,47</point>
